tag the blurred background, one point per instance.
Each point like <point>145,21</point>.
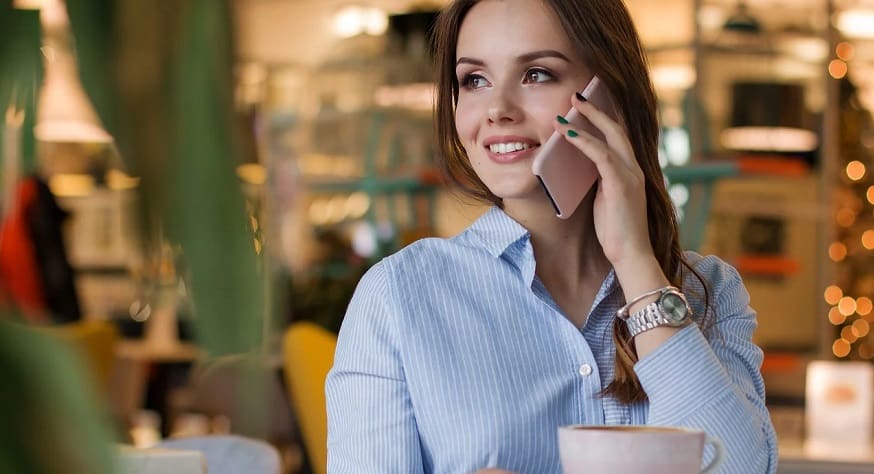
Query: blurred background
<point>191,190</point>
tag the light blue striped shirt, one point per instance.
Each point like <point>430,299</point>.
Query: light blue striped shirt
<point>453,357</point>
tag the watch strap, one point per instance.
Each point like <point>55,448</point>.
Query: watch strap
<point>650,317</point>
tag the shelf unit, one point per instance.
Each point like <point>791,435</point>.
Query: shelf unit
<point>793,47</point>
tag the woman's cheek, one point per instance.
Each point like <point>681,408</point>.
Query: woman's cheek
<point>465,125</point>
<point>544,109</point>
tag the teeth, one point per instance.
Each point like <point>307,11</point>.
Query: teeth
<point>508,147</point>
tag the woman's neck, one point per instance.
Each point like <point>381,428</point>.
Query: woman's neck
<point>567,251</point>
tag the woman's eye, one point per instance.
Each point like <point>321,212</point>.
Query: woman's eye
<point>474,81</point>
<point>537,75</point>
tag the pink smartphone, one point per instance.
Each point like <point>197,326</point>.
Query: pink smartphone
<point>565,173</point>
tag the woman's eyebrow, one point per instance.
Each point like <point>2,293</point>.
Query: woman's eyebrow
<point>544,53</point>
<point>466,60</point>
<point>522,58</point>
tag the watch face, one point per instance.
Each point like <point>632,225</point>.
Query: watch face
<point>674,308</point>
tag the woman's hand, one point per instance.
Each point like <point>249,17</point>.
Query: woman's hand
<point>620,203</point>
<point>620,213</point>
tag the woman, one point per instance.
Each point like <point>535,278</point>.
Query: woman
<point>468,353</point>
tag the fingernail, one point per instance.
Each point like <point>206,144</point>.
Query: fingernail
<point>581,98</point>
<point>572,134</point>
<point>561,120</point>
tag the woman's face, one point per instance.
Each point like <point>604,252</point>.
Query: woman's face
<point>516,71</point>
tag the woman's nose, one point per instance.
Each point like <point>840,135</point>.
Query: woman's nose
<point>503,108</point>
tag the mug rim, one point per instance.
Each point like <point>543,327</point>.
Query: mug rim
<point>669,430</point>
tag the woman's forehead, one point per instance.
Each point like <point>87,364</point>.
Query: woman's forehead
<point>510,26</point>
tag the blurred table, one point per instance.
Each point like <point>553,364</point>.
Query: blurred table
<point>798,458</point>
<point>144,351</point>
<point>160,461</point>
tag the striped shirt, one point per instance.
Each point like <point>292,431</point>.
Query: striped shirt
<point>453,357</point>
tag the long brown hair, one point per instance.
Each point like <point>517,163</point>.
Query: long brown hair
<point>604,34</point>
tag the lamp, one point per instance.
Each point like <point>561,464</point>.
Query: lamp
<point>856,22</point>
<point>768,117</point>
<point>75,149</point>
<point>64,113</point>
<point>741,21</point>
<point>354,20</point>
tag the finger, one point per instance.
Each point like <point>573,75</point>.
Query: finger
<point>614,132</point>
<point>610,169</point>
<point>594,148</point>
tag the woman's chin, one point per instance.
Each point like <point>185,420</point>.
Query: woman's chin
<point>530,194</point>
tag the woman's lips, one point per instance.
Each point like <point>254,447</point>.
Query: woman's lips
<point>513,156</point>
<point>509,141</point>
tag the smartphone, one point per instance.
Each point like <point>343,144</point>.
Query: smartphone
<point>565,173</point>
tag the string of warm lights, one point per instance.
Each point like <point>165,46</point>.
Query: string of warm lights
<point>852,310</point>
<point>838,67</point>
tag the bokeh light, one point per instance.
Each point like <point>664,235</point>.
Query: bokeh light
<point>868,239</point>
<point>835,317</point>
<point>864,305</point>
<point>845,217</point>
<point>845,51</point>
<point>866,351</point>
<point>833,294</point>
<point>837,69</point>
<point>855,170</point>
<point>861,328</point>
<point>837,251</point>
<point>847,334</point>
<point>841,348</point>
<point>847,305</point>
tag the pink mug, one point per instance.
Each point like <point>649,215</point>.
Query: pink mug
<point>628,449</point>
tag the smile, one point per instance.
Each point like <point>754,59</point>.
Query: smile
<point>505,149</point>
<point>502,148</point>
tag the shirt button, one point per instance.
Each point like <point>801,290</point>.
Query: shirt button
<point>585,370</point>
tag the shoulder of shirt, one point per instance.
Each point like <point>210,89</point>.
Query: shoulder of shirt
<point>724,283</point>
<point>713,269</point>
<point>439,248</point>
<point>430,258</point>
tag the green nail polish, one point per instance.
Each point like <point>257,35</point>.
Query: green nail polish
<point>572,134</point>
<point>561,120</point>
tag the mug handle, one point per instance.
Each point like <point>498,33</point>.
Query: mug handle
<point>718,454</point>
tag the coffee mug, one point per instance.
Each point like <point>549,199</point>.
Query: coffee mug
<point>628,449</point>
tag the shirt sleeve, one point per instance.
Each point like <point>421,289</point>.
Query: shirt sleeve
<point>716,385</point>
<point>371,426</point>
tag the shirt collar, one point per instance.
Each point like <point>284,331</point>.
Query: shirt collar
<point>609,284</point>
<point>497,231</point>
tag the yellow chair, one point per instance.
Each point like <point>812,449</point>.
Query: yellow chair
<point>95,341</point>
<point>309,354</point>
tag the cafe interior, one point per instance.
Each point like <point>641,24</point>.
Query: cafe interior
<point>192,189</point>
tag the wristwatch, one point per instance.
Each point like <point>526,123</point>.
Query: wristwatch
<point>670,309</point>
